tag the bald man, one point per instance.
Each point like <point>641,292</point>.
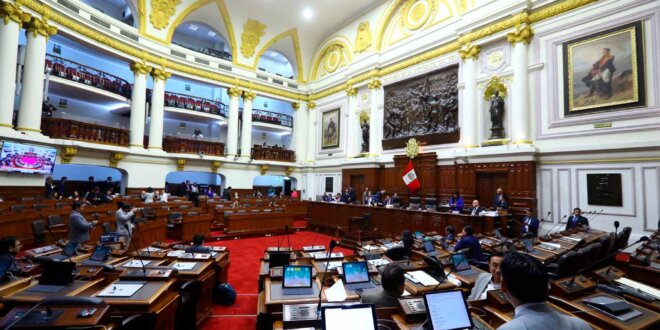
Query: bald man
<point>476,208</point>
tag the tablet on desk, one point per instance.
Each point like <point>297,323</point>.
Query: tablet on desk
<point>343,317</point>
<point>297,280</point>
<point>447,310</point>
<point>123,290</point>
<point>101,254</point>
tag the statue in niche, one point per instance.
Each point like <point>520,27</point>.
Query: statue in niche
<point>365,135</point>
<point>496,116</point>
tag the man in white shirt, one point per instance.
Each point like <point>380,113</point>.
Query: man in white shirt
<point>488,281</point>
<point>525,285</point>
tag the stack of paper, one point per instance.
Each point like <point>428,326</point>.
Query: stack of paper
<point>136,263</point>
<point>120,290</point>
<point>424,278</point>
<point>184,265</point>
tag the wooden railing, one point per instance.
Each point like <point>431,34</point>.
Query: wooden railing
<point>74,71</point>
<point>273,153</point>
<point>190,146</point>
<point>66,129</point>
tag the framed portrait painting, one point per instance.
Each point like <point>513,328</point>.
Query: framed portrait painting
<point>604,189</point>
<point>330,129</point>
<point>604,71</point>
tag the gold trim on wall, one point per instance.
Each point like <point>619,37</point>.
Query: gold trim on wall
<point>293,34</point>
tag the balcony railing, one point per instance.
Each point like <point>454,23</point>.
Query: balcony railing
<point>193,103</point>
<point>190,146</point>
<point>269,117</point>
<point>208,51</point>
<point>66,129</point>
<point>67,69</point>
<point>273,153</point>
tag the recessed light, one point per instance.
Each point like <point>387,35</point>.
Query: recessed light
<point>307,13</point>
<point>211,34</point>
<point>193,27</point>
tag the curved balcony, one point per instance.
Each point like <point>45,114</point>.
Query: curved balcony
<point>191,146</point>
<point>66,129</point>
<point>205,50</point>
<point>194,103</point>
<point>74,71</point>
<point>273,118</point>
<point>273,153</point>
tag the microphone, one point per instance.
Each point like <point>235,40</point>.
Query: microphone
<point>286,231</point>
<point>572,281</point>
<point>144,270</point>
<point>333,243</point>
<point>616,228</point>
<point>543,221</point>
<point>451,269</point>
<point>547,235</point>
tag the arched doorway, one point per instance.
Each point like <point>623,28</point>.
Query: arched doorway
<point>205,180</point>
<point>78,177</point>
<point>276,183</point>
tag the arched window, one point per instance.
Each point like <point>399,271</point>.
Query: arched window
<point>275,62</point>
<point>202,38</point>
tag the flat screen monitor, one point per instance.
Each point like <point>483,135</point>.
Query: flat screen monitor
<point>460,262</point>
<point>355,272</point>
<point>27,158</point>
<point>101,253</point>
<point>447,310</point>
<point>278,259</point>
<point>431,202</point>
<point>297,277</point>
<point>358,316</point>
<point>428,246</point>
<point>57,273</point>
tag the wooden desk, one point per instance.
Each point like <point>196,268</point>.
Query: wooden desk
<point>500,317</point>
<point>24,296</point>
<point>275,305</point>
<point>148,232</point>
<point>258,222</point>
<point>189,226</point>
<point>68,318</point>
<point>204,273</point>
<point>403,325</point>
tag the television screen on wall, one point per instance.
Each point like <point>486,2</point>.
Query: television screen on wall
<point>27,158</point>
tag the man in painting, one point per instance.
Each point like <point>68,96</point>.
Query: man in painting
<point>330,131</point>
<point>599,79</point>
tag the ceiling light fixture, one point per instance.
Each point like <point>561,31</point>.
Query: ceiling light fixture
<point>211,34</point>
<point>307,13</point>
<point>193,27</point>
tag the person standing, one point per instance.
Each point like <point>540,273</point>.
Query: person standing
<point>456,202</point>
<point>49,186</point>
<point>576,220</point>
<point>78,226</point>
<point>148,195</point>
<point>124,223</point>
<point>61,187</point>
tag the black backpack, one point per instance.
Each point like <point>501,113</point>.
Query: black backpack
<point>224,294</point>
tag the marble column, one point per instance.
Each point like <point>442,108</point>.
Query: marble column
<point>11,19</point>
<point>520,109</point>
<point>157,110</point>
<point>470,123</point>
<point>232,129</point>
<point>353,133</point>
<point>138,104</point>
<point>32,94</point>
<point>313,134</point>
<point>375,118</point>
<point>300,127</point>
<point>246,127</point>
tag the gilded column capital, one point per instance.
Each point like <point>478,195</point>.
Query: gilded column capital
<point>263,169</point>
<point>234,92</point>
<point>375,84</point>
<point>180,164</point>
<point>469,52</point>
<point>12,12</point>
<point>295,105</point>
<point>248,95</point>
<point>67,154</point>
<point>160,74</point>
<point>351,91</point>
<point>522,34</point>
<point>311,105</point>
<point>140,68</point>
<point>215,165</point>
<point>115,157</point>
<point>40,27</point>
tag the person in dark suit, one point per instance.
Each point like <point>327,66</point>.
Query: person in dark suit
<point>468,241</point>
<point>393,285</point>
<point>451,233</point>
<point>90,185</point>
<point>108,185</point>
<point>576,220</point>
<point>95,197</point>
<point>9,248</point>
<point>197,246</point>
<point>345,197</point>
<point>476,208</point>
<point>500,201</point>
<point>61,188</point>
<point>387,201</point>
<point>456,202</point>
<point>525,286</point>
<point>78,226</point>
<point>226,194</point>
<point>530,224</point>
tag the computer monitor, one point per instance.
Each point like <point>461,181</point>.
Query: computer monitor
<point>294,276</point>
<point>358,316</point>
<point>57,273</point>
<point>430,203</point>
<point>278,259</point>
<point>108,238</point>
<point>70,249</point>
<point>447,310</point>
<point>428,246</point>
<point>418,235</point>
<point>355,272</point>
<point>101,253</point>
<point>460,262</point>
<point>529,247</point>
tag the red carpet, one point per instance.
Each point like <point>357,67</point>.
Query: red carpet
<point>244,276</point>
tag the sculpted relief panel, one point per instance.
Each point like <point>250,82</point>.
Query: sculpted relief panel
<point>424,107</point>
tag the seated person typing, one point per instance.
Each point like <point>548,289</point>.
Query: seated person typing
<point>393,283</point>
<point>197,247</point>
<point>488,281</point>
<point>469,241</point>
<point>525,285</point>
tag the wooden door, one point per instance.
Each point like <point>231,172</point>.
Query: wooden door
<point>357,182</point>
<point>487,184</point>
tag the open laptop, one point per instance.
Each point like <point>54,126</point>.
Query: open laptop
<point>278,259</point>
<point>447,310</point>
<point>356,275</point>
<point>461,264</point>
<point>342,317</point>
<point>529,247</point>
<point>446,246</point>
<point>68,251</point>
<point>297,280</point>
<point>429,249</point>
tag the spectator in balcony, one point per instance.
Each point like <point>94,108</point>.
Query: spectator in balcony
<point>197,135</point>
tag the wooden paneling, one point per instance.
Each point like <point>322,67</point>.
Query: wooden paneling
<point>12,193</point>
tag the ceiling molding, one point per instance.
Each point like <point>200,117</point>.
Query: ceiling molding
<point>293,34</point>
<point>340,40</point>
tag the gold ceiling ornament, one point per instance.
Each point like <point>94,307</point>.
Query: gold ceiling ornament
<point>523,34</point>
<point>289,170</point>
<point>469,52</point>
<point>311,105</point>
<point>333,58</point>
<point>249,95</point>
<point>415,13</point>
<point>140,67</point>
<point>351,91</point>
<point>263,169</point>
<point>494,85</point>
<point>67,154</point>
<point>215,165</point>
<point>295,105</point>
<point>412,148</point>
<point>160,74</point>
<point>375,84</point>
<point>40,27</point>
<point>161,12</point>
<point>10,11</point>
<point>180,164</point>
<point>115,158</point>
<point>363,38</point>
<point>234,92</point>
<point>253,30</point>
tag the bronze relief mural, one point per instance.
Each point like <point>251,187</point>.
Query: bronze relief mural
<point>424,107</point>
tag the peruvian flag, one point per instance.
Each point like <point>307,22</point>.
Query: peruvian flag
<point>410,178</point>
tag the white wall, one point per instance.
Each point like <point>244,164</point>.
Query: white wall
<point>75,172</point>
<point>195,177</point>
